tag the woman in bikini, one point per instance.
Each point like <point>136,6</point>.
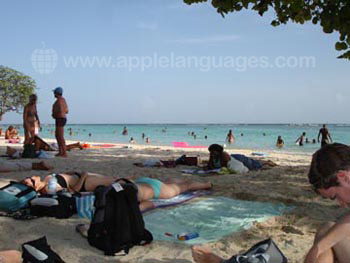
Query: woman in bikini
<point>148,188</point>
<point>30,119</point>
<point>72,182</point>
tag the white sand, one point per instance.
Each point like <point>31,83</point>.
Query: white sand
<point>286,183</point>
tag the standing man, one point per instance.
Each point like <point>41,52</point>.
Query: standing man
<point>59,113</point>
<point>326,136</point>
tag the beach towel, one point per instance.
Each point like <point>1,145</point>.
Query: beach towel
<point>179,199</point>
<point>212,218</point>
<point>85,204</point>
<point>186,145</point>
<point>201,171</point>
<point>105,145</point>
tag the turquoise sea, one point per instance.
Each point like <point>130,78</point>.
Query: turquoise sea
<point>251,136</point>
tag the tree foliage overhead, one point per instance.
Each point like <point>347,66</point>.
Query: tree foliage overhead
<point>332,15</point>
<point>15,88</point>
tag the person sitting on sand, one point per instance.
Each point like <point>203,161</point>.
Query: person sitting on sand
<point>11,166</point>
<point>330,177</point>
<point>132,140</point>
<point>280,142</point>
<point>11,133</point>
<point>148,140</point>
<point>218,157</point>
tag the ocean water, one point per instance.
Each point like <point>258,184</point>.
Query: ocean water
<point>254,136</point>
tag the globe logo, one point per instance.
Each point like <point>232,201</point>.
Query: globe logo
<point>44,61</point>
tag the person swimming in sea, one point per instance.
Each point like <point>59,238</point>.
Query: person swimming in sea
<point>280,142</point>
<point>230,137</point>
<point>300,140</point>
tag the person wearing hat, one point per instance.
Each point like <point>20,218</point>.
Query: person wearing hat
<point>59,113</point>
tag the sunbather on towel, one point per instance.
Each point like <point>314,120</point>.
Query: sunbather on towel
<point>149,188</point>
<point>72,182</point>
<point>15,166</point>
<point>330,177</point>
<point>40,144</point>
<point>218,157</point>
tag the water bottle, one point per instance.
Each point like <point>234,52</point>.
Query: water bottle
<point>52,185</point>
<point>187,236</point>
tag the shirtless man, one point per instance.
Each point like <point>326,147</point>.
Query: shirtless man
<point>59,113</point>
<point>30,118</point>
<point>326,136</point>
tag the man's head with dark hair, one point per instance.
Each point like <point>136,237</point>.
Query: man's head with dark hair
<point>330,172</point>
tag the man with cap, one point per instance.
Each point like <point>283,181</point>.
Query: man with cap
<point>59,113</point>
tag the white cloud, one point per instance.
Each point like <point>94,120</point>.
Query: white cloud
<point>147,26</point>
<point>201,40</point>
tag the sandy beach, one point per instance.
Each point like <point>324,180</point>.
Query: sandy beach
<point>287,183</point>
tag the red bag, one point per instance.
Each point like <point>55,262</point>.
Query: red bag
<point>193,161</point>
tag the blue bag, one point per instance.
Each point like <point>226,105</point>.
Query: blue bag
<point>15,196</point>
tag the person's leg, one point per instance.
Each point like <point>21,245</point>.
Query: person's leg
<point>58,139</point>
<point>10,256</point>
<point>26,136</point>
<point>203,254</point>
<point>170,190</point>
<point>63,151</point>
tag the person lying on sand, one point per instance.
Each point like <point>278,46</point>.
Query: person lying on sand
<point>11,166</point>
<point>72,182</point>
<point>87,182</point>
<point>219,158</point>
<point>40,144</point>
<point>330,177</point>
<point>149,188</point>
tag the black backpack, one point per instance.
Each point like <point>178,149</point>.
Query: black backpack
<point>38,251</point>
<point>117,223</point>
<point>29,151</point>
<point>62,205</point>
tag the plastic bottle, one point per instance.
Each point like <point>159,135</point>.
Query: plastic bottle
<point>187,236</point>
<point>52,185</point>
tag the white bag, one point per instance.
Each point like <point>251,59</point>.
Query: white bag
<point>236,166</point>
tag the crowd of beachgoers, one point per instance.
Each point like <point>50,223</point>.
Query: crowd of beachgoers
<point>308,232</point>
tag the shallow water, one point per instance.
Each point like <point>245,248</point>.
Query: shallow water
<point>161,134</point>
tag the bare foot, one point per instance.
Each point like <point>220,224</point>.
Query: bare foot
<point>41,166</point>
<point>203,254</point>
<point>82,229</point>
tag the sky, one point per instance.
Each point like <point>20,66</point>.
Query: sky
<point>173,63</point>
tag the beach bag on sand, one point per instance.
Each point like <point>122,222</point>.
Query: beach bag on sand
<point>61,205</point>
<point>38,251</point>
<point>263,252</point>
<point>117,223</point>
<point>15,196</point>
<point>29,151</point>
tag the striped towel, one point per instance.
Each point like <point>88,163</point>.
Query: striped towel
<point>85,205</point>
